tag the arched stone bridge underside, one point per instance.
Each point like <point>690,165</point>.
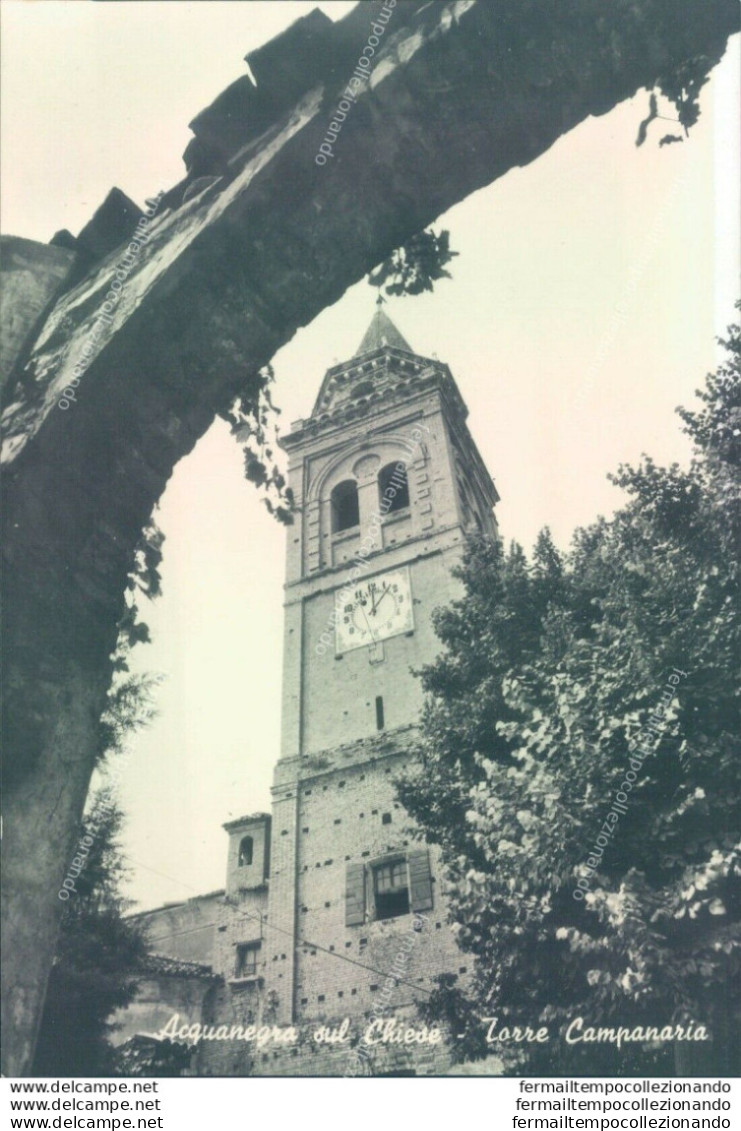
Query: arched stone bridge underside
<point>253,244</point>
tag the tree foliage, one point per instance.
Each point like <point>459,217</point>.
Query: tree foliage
<point>143,579</point>
<point>681,88</point>
<point>129,707</point>
<point>145,1056</point>
<point>98,951</point>
<point>550,672</point>
<point>130,699</point>
<point>251,417</point>
<point>416,266</point>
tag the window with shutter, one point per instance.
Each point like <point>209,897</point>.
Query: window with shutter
<point>354,895</point>
<point>391,888</point>
<point>420,879</point>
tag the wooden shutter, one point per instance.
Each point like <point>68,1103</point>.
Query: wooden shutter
<point>354,895</point>
<point>420,880</point>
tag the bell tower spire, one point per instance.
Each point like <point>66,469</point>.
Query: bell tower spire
<point>388,483</point>
<point>382,333</point>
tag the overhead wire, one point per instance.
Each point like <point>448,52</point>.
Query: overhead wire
<point>298,941</point>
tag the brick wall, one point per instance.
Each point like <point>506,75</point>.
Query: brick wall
<point>339,693</point>
<point>354,1057</point>
<point>348,815</point>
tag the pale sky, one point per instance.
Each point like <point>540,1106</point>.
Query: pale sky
<point>583,309</point>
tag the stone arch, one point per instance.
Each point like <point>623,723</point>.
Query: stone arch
<point>224,279</point>
<point>397,445</point>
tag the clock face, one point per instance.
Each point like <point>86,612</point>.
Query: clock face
<point>373,610</point>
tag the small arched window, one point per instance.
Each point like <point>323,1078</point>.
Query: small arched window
<point>393,488</point>
<point>345,511</point>
<point>246,848</point>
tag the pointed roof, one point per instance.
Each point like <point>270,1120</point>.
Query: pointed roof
<point>383,358</point>
<point>380,333</point>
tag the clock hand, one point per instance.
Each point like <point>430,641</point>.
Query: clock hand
<point>370,630</point>
<point>377,602</point>
<point>383,595</point>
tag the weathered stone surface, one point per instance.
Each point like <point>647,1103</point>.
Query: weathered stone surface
<point>111,225</point>
<point>32,274</point>
<point>283,70</point>
<point>64,238</point>
<point>461,92</point>
<point>298,58</point>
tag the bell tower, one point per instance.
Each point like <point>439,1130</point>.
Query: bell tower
<point>388,483</point>
<point>386,478</point>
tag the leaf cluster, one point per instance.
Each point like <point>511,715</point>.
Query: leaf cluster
<point>681,87</point>
<point>415,267</point>
<point>251,417</point>
<point>552,671</point>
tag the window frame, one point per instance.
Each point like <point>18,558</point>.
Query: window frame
<point>241,951</point>
<point>361,904</point>
<point>383,899</point>
<point>385,475</point>
<point>246,863</point>
<point>350,489</point>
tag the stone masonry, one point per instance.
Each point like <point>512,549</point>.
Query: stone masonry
<point>252,243</point>
<point>307,935</point>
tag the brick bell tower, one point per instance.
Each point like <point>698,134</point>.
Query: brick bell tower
<point>388,482</point>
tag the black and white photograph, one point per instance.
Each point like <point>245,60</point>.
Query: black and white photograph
<point>371,473</point>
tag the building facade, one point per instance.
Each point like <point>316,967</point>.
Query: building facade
<point>334,908</point>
